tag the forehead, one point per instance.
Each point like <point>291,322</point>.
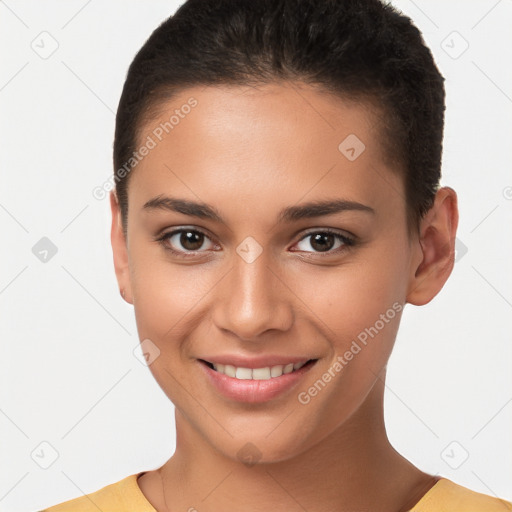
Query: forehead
<point>269,144</point>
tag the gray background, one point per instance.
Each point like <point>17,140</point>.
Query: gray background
<point>74,397</point>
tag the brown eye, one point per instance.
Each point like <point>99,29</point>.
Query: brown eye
<point>325,241</point>
<point>322,241</point>
<point>186,240</point>
<point>191,240</point>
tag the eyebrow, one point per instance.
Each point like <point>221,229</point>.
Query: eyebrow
<point>288,214</point>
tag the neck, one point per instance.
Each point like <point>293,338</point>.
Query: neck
<point>354,468</point>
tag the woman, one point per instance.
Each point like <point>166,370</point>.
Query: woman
<point>277,204</point>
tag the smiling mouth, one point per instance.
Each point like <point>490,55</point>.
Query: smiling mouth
<point>266,373</point>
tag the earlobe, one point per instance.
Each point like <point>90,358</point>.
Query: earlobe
<point>120,251</point>
<point>436,248</point>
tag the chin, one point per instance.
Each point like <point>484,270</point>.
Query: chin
<point>259,450</point>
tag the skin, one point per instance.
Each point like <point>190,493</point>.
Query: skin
<point>250,152</point>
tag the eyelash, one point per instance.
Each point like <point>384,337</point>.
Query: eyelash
<point>347,241</point>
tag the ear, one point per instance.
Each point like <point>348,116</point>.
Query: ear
<point>120,251</point>
<point>435,252</point>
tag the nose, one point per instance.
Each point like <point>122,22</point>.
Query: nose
<point>253,299</point>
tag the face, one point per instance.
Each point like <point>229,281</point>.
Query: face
<point>264,230</point>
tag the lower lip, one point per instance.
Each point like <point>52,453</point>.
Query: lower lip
<point>252,390</point>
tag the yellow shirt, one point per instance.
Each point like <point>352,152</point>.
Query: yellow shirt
<point>126,496</point>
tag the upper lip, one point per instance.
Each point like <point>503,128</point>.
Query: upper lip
<point>256,361</point>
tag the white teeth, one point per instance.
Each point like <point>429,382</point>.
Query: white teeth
<point>257,373</point>
<point>230,370</point>
<point>288,368</point>
<point>262,373</point>
<point>276,371</point>
<point>243,373</point>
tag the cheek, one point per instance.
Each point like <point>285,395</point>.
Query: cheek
<point>167,296</point>
<point>357,307</point>
<point>167,300</point>
<point>349,298</point>
<point>358,310</point>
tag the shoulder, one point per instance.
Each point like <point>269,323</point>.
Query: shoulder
<point>447,496</point>
<point>120,496</point>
